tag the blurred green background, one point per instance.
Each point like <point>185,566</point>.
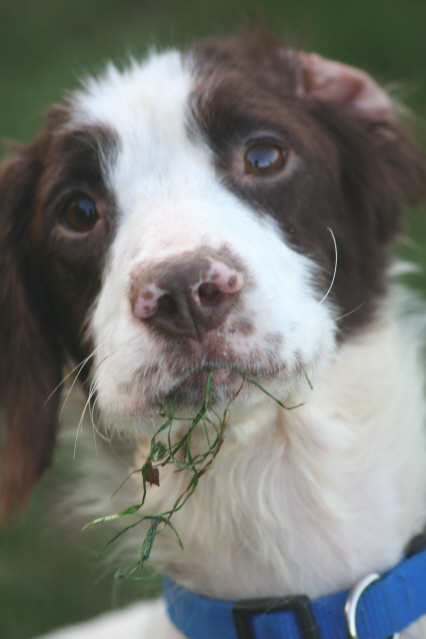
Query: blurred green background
<point>49,574</point>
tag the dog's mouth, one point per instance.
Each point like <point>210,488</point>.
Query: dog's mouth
<point>221,383</point>
<point>224,383</point>
<point>190,390</point>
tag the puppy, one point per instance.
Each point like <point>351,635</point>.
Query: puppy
<point>225,215</point>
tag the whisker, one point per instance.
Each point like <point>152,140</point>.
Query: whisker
<point>75,380</point>
<point>101,435</point>
<point>354,310</point>
<point>78,366</point>
<point>88,405</point>
<point>95,429</point>
<point>335,266</point>
<point>92,391</point>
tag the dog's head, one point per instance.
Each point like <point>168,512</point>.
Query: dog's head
<point>185,215</point>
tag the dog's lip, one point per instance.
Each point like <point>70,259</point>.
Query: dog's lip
<point>221,374</point>
<point>231,377</point>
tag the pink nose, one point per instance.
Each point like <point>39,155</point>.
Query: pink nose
<point>187,298</point>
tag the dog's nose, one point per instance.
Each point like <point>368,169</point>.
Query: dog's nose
<point>187,298</point>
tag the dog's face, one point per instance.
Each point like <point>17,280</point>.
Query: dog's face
<point>189,214</point>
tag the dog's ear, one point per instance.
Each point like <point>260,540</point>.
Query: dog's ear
<point>343,85</point>
<point>29,348</point>
<point>382,168</point>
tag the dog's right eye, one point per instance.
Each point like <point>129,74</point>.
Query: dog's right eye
<point>264,159</point>
<point>81,214</point>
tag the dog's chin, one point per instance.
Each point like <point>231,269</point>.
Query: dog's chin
<point>216,385</point>
<point>221,386</point>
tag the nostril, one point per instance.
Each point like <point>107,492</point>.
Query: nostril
<point>208,293</point>
<point>233,282</point>
<point>167,305</point>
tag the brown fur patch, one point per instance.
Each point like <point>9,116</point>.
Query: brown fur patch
<point>48,280</point>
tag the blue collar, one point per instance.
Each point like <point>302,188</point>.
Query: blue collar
<point>387,606</point>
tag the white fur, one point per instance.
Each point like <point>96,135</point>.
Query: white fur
<point>303,501</point>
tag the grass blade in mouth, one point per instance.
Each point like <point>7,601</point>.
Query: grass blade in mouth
<point>179,454</point>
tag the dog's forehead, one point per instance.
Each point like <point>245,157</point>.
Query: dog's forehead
<point>140,100</point>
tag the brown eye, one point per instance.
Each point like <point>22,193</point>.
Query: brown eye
<point>81,214</point>
<point>264,159</point>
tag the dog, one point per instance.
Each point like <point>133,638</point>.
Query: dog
<point>224,215</point>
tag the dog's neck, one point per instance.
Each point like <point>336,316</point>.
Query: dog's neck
<point>309,501</point>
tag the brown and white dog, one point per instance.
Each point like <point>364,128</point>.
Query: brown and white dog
<point>228,208</point>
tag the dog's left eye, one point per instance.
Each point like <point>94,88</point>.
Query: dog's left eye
<point>262,159</point>
<point>81,214</point>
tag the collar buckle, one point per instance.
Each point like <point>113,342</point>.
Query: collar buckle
<point>352,604</point>
<point>244,610</point>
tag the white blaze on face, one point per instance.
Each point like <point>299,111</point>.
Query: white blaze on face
<point>169,202</point>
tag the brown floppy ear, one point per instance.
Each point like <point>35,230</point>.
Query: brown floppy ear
<point>343,85</point>
<point>29,350</point>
